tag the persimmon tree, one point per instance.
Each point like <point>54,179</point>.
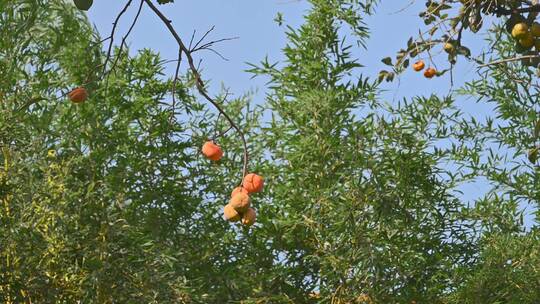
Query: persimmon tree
<point>107,197</point>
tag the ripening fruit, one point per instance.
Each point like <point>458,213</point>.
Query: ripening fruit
<point>231,214</point>
<point>240,202</point>
<point>512,21</point>
<point>520,30</point>
<point>83,4</point>
<point>78,95</point>
<point>535,29</point>
<point>518,48</point>
<point>212,151</point>
<point>419,65</point>
<point>239,190</point>
<point>253,183</point>
<point>527,41</point>
<point>249,217</point>
<point>430,72</point>
<point>449,48</point>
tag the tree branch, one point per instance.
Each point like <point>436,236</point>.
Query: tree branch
<point>127,35</point>
<point>508,60</point>
<point>199,82</point>
<point>531,9</point>
<point>115,24</point>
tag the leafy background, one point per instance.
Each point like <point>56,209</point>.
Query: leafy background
<point>110,202</point>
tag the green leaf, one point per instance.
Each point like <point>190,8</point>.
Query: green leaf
<point>387,61</point>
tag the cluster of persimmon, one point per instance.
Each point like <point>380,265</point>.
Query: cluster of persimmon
<point>239,206</point>
<point>420,65</point>
<point>527,37</point>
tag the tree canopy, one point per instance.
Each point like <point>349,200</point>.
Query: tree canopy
<point>109,200</point>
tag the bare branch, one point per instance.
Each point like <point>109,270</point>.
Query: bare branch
<point>113,31</point>
<point>127,34</point>
<point>208,46</point>
<point>192,37</point>
<point>199,82</point>
<point>216,52</point>
<point>204,36</point>
<point>174,85</point>
<point>508,60</point>
<point>531,9</point>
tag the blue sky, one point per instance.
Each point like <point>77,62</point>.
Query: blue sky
<point>259,36</point>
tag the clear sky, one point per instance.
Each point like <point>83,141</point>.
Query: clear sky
<point>259,36</point>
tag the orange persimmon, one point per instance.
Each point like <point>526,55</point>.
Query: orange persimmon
<point>212,151</point>
<point>78,95</point>
<point>239,190</point>
<point>430,72</point>
<point>253,183</point>
<point>231,214</point>
<point>240,202</point>
<point>419,65</point>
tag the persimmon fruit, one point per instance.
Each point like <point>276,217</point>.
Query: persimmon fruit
<point>419,65</point>
<point>212,151</point>
<point>430,72</point>
<point>249,217</point>
<point>239,190</point>
<point>253,183</point>
<point>78,95</point>
<point>240,202</point>
<point>231,214</point>
<point>520,30</point>
<point>527,41</point>
<point>449,48</point>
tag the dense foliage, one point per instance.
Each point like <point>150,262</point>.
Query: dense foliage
<point>110,202</point>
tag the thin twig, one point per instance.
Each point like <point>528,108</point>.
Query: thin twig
<point>222,133</point>
<point>115,24</point>
<point>127,35</point>
<point>29,103</point>
<point>532,8</point>
<point>216,128</point>
<point>191,40</point>
<point>508,60</point>
<point>215,52</point>
<point>174,85</point>
<point>216,135</point>
<point>207,46</point>
<point>203,36</point>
